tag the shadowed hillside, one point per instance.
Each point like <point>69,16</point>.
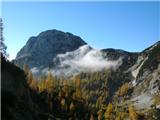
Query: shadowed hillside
<point>18,101</point>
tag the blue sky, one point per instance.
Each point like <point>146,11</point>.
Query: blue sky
<point>131,26</point>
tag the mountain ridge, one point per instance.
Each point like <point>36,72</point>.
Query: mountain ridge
<point>42,51</point>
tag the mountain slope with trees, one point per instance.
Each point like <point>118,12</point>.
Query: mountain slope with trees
<point>129,92</point>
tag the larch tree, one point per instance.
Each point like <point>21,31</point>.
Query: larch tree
<point>78,86</point>
<point>49,83</point>
<point>63,104</point>
<point>109,112</point>
<point>118,117</point>
<point>66,88</point>
<point>26,69</point>
<point>132,113</point>
<point>41,84</point>
<point>123,90</point>
<point>78,81</point>
<point>30,77</point>
<point>72,107</point>
<point>100,113</point>
<point>34,84</point>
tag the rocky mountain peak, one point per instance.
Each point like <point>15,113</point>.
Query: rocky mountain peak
<point>39,50</point>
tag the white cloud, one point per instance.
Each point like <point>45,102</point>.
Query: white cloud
<point>35,70</point>
<point>83,59</point>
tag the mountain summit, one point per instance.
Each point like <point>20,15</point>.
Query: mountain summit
<point>40,50</point>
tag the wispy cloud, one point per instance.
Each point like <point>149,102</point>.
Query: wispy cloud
<point>84,59</point>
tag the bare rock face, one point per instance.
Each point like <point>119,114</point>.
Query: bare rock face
<point>147,77</point>
<point>40,50</point>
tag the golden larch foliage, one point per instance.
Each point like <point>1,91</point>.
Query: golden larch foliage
<point>132,113</point>
<point>49,83</point>
<point>100,113</point>
<point>109,112</point>
<point>123,89</point>
<point>78,81</point>
<point>26,69</point>
<point>72,107</point>
<point>30,77</point>
<point>34,85</point>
